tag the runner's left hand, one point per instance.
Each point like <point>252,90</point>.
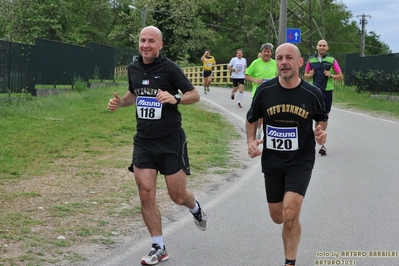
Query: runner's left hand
<point>320,135</point>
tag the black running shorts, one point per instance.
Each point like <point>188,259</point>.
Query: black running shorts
<point>207,73</point>
<point>328,98</point>
<point>277,184</point>
<point>167,155</point>
<point>238,81</point>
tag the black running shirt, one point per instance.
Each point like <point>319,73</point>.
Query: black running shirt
<point>156,120</point>
<point>288,114</point>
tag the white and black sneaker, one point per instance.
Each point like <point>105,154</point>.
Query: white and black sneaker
<point>200,219</point>
<point>323,150</point>
<point>156,255</point>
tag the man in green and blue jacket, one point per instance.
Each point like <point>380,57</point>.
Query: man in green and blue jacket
<point>321,70</point>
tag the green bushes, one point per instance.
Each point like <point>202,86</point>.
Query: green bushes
<point>79,84</point>
<point>376,81</point>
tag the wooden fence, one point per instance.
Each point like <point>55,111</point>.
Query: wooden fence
<point>120,73</point>
<point>221,75</point>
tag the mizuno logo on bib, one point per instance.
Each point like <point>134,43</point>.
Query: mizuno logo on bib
<point>282,138</point>
<point>148,108</point>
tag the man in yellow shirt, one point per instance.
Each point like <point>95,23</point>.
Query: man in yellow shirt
<point>208,62</point>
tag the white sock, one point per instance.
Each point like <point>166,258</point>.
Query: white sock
<point>196,208</point>
<point>158,240</point>
<point>240,96</point>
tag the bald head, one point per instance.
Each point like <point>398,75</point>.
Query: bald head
<point>150,43</point>
<point>322,42</point>
<point>322,48</point>
<point>289,60</point>
<point>153,30</point>
<point>289,47</point>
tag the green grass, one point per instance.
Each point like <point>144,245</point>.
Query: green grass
<point>101,80</point>
<point>347,97</point>
<point>38,132</point>
<point>58,160</point>
<point>8,96</point>
<point>51,86</point>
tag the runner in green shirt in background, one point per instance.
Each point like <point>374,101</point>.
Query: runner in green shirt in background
<point>260,70</point>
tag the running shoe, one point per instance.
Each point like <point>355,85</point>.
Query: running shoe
<point>207,88</point>
<point>204,91</point>
<point>156,255</point>
<point>323,150</point>
<point>239,105</point>
<point>232,96</point>
<point>200,219</point>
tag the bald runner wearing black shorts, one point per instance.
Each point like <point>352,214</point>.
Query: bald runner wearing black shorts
<point>162,153</point>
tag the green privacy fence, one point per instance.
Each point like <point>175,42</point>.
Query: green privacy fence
<point>15,67</point>
<point>49,62</point>
<point>59,63</point>
<point>378,73</point>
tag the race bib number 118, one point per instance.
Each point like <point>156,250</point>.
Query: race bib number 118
<point>148,108</point>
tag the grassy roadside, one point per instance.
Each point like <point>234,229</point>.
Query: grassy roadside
<point>63,181</point>
<point>347,97</point>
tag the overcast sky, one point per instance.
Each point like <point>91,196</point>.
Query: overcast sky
<point>384,19</point>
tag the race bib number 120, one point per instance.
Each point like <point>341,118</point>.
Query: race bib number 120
<point>148,108</point>
<point>282,138</point>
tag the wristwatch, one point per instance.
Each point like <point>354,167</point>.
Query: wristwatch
<point>178,98</point>
<point>330,76</point>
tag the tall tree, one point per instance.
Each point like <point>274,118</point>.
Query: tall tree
<point>5,16</point>
<point>374,46</point>
<point>245,24</point>
<point>183,31</point>
<point>76,22</point>
<point>189,26</point>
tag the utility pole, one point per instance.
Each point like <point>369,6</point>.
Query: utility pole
<point>282,25</point>
<point>309,12</point>
<point>143,17</point>
<point>363,22</point>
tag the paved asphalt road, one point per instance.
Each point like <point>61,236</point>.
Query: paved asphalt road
<point>351,207</point>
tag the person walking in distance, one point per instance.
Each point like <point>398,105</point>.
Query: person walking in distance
<point>289,105</point>
<point>321,70</point>
<point>208,61</point>
<point>237,66</point>
<point>260,70</point>
<point>160,141</point>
